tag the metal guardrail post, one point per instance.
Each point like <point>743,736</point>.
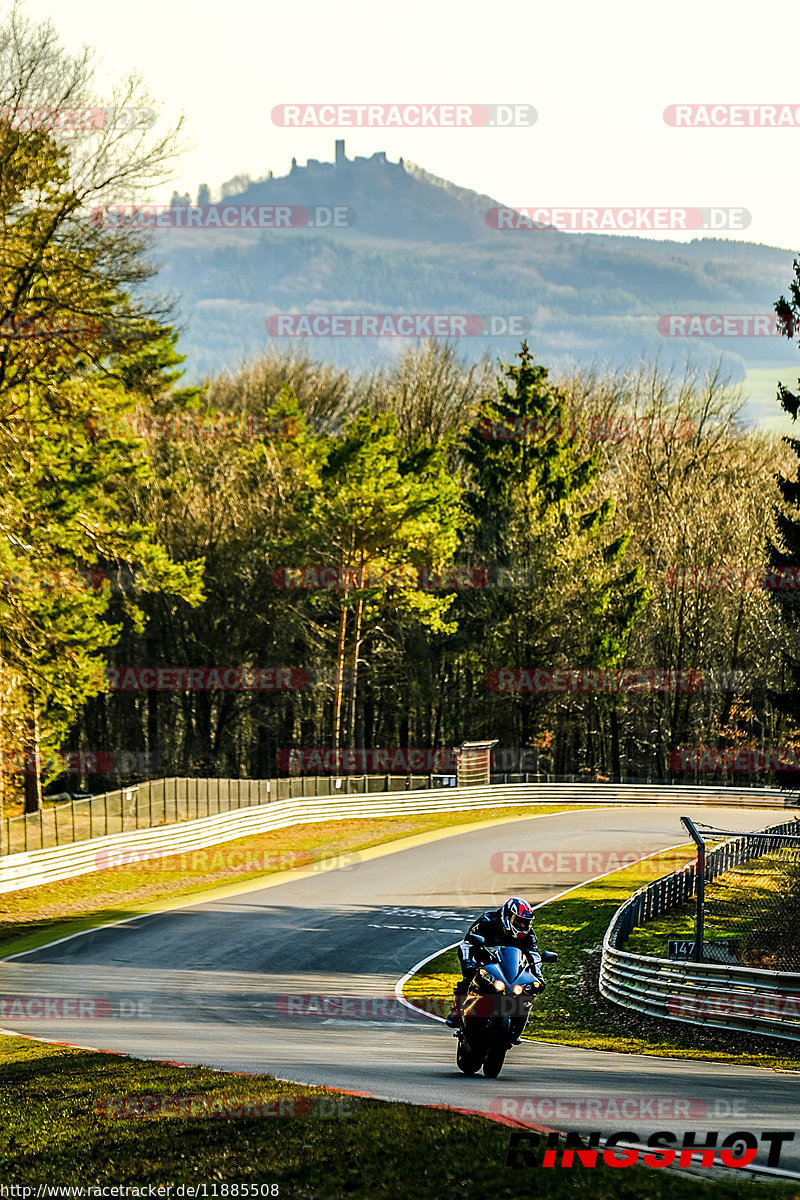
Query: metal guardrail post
<point>700,872</point>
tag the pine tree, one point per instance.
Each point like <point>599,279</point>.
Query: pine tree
<point>561,594</point>
<point>784,546</point>
<point>379,513</point>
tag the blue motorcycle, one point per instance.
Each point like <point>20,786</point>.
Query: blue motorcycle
<point>495,1009</point>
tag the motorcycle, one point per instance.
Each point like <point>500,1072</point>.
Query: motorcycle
<point>495,1009</point>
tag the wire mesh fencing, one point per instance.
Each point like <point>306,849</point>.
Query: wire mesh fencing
<point>752,908</point>
<point>169,801</point>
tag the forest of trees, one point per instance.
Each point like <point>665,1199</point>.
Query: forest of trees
<point>595,568</point>
<point>615,524</point>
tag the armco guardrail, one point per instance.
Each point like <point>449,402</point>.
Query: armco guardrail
<point>167,801</point>
<point>36,867</point>
<point>176,799</point>
<point>747,999</point>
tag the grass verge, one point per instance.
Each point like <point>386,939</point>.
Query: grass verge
<point>34,916</point>
<point>53,1131</point>
<point>572,1012</point>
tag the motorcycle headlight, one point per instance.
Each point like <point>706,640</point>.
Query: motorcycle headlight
<point>517,989</point>
<point>485,975</point>
<point>499,986</point>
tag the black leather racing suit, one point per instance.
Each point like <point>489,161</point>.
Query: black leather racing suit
<point>491,929</point>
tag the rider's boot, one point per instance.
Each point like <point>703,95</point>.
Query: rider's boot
<point>454,1019</point>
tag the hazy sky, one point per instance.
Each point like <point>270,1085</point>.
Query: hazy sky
<point>599,76</point>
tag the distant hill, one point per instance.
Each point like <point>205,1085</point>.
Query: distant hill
<point>420,244</point>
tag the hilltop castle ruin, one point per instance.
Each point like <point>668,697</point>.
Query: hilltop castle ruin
<point>314,167</point>
<point>342,161</point>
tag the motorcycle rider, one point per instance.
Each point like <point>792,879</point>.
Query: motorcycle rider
<point>509,925</point>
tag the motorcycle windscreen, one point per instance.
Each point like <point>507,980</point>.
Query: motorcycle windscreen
<point>514,964</point>
<point>512,961</point>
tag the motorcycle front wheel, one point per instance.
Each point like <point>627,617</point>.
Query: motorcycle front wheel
<point>496,1054</point>
<point>467,1060</point>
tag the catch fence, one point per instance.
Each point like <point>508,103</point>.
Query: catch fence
<point>170,801</point>
<point>742,993</point>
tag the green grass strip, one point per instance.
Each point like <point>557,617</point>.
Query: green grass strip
<point>53,1131</point>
